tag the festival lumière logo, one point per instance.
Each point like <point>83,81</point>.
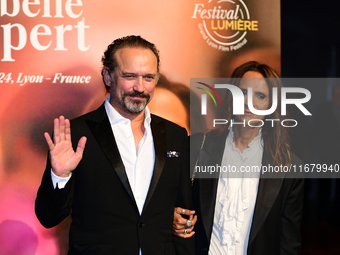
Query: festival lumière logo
<point>225,23</point>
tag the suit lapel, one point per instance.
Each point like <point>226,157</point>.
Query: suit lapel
<point>102,131</point>
<point>268,190</point>
<point>208,187</point>
<point>159,139</point>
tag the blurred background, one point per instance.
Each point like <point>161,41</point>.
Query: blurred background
<point>298,38</point>
<point>310,44</point>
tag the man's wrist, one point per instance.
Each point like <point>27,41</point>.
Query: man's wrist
<point>61,181</point>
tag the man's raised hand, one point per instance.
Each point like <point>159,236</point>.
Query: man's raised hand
<point>63,158</point>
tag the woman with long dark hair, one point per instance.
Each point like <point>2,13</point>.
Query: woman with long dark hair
<point>250,212</point>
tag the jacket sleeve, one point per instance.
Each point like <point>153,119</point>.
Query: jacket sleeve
<point>185,246</point>
<point>290,241</point>
<point>53,205</point>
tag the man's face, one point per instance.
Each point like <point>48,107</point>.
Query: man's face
<point>133,80</point>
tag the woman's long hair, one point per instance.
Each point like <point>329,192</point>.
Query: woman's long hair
<point>276,138</point>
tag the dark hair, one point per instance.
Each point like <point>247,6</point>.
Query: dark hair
<point>132,41</point>
<point>276,139</point>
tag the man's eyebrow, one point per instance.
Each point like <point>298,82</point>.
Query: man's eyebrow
<point>138,74</point>
<point>127,73</point>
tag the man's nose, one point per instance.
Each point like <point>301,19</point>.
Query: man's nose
<point>139,84</point>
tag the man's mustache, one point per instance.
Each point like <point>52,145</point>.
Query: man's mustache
<point>137,93</point>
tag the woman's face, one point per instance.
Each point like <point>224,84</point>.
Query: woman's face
<point>260,96</point>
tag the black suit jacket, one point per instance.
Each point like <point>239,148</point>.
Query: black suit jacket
<point>278,209</point>
<point>105,217</point>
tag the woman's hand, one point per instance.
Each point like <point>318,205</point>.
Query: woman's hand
<point>183,227</point>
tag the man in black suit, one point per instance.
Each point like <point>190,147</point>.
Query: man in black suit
<point>120,170</point>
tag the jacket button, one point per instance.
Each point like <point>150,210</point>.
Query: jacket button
<point>141,224</point>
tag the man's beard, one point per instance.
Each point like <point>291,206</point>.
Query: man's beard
<point>131,105</point>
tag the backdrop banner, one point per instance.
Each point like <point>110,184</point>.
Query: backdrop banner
<point>50,58</point>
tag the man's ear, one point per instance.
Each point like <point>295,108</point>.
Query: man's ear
<point>107,77</point>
